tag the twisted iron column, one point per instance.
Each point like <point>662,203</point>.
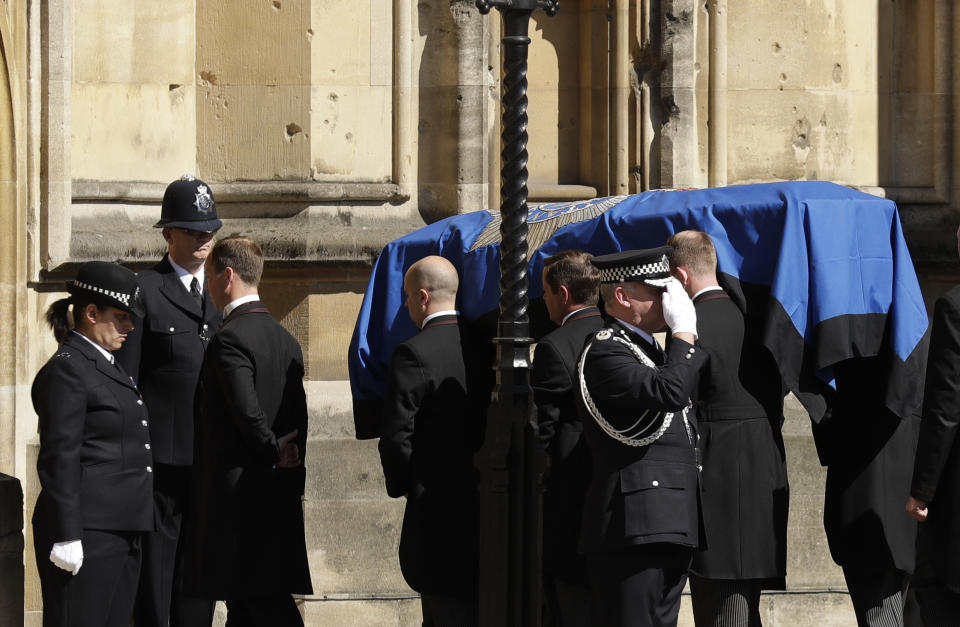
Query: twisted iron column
<point>512,461</point>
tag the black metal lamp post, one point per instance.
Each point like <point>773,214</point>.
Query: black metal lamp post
<point>512,462</point>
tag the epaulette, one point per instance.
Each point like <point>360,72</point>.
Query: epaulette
<point>61,354</point>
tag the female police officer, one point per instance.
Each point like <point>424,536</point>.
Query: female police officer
<point>94,464</point>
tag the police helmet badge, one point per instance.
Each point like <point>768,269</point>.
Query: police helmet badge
<point>204,201</point>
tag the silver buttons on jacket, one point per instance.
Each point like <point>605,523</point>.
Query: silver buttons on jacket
<point>147,446</point>
<point>655,483</point>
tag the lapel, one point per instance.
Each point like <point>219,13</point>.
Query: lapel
<point>172,288</point>
<point>114,371</point>
<point>652,350</point>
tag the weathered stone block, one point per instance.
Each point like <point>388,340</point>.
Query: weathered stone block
<point>332,317</point>
<point>338,26</point>
<point>351,132</point>
<point>156,144</point>
<point>363,613</point>
<point>353,546</point>
<point>134,42</point>
<point>344,470</point>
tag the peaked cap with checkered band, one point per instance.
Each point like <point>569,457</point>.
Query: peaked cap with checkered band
<point>108,284</point>
<point>634,265</point>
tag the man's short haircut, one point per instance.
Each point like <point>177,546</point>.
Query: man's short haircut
<point>240,253</point>
<point>693,250</point>
<point>573,269</point>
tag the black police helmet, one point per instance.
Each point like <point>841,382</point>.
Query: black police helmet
<point>188,204</point>
<point>108,283</point>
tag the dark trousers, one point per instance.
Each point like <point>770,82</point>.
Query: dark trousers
<point>934,603</point>
<point>160,596</point>
<point>277,610</point>
<point>101,594</point>
<point>877,595</point>
<point>725,602</point>
<point>448,611</point>
<point>568,605</point>
<point>639,586</point>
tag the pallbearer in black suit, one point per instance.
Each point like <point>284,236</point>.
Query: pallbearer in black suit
<point>244,535</point>
<point>163,354</point>
<point>641,520</point>
<point>95,463</point>
<point>738,403</point>
<point>571,286</point>
<point>432,426</point>
<point>935,493</point>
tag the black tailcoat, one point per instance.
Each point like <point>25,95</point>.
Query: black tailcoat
<point>432,426</point>
<point>647,494</point>
<point>868,452</point>
<point>556,386</point>
<point>739,409</point>
<point>95,463</point>
<point>245,536</point>
<point>936,473</point>
<point>163,354</point>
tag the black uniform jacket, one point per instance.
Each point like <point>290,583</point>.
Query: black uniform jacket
<point>556,386</point>
<point>244,532</point>
<point>868,452</point>
<point>936,471</point>
<point>163,354</point>
<point>94,465</point>
<point>647,494</point>
<point>739,409</point>
<point>432,426</point>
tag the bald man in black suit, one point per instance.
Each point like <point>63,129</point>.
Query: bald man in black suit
<point>432,426</point>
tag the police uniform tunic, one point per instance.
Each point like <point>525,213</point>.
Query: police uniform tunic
<point>96,480</point>
<point>641,518</point>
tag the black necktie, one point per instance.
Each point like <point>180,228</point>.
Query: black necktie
<point>195,291</point>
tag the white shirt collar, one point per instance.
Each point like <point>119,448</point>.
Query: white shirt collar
<point>106,354</point>
<point>712,288</point>
<point>184,275</point>
<point>236,303</point>
<point>437,314</point>
<point>640,332</point>
<point>567,317</point>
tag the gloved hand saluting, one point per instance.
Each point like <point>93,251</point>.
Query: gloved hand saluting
<point>68,555</point>
<point>678,310</point>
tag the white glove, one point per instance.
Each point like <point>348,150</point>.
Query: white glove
<point>68,555</point>
<point>678,310</point>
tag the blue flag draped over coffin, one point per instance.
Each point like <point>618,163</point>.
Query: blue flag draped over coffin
<point>822,271</point>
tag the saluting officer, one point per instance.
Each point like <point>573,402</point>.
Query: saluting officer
<point>641,519</point>
<point>164,354</point>
<point>95,466</point>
